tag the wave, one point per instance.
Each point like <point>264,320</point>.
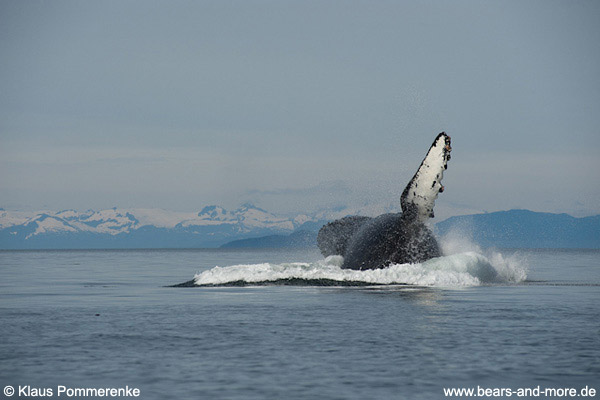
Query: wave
<point>456,270</point>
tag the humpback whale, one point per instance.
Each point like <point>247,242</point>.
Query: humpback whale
<point>397,238</point>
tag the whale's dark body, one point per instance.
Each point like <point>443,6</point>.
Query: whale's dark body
<point>378,242</point>
<point>370,243</point>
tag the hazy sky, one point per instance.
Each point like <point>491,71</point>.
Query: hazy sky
<point>298,105</point>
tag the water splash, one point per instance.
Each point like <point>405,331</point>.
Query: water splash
<point>455,270</point>
<point>511,268</point>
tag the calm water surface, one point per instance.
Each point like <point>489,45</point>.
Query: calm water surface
<point>106,319</point>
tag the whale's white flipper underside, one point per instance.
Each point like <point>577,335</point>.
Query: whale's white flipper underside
<point>418,198</point>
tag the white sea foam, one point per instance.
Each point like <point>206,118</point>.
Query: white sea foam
<point>468,268</point>
<point>510,268</point>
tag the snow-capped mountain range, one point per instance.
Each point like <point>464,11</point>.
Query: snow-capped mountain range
<point>143,228</point>
<point>214,226</point>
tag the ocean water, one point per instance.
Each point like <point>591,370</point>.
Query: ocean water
<point>488,319</point>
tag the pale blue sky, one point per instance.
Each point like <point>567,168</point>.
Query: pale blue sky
<point>298,105</point>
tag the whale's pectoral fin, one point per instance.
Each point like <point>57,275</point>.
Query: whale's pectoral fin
<point>418,198</point>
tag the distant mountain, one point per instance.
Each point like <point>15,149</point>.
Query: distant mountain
<point>526,229</point>
<point>298,239</point>
<point>250,226</point>
<point>140,228</point>
<point>508,229</point>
